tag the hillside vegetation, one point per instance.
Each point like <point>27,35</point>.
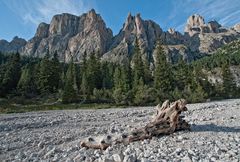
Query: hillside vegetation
<point>134,83</point>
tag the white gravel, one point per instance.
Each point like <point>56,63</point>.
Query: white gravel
<point>56,135</point>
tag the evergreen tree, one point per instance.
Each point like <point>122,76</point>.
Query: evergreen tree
<point>56,72</point>
<point>147,72</point>
<point>198,94</point>
<point>84,86</point>
<point>45,74</point>
<point>107,73</point>
<point>70,93</point>
<point>11,75</point>
<point>229,85</point>
<point>49,74</point>
<point>121,93</point>
<point>2,73</point>
<point>84,63</point>
<point>93,73</point>
<point>182,75</point>
<point>162,74</point>
<point>138,67</point>
<point>140,97</point>
<point>27,83</point>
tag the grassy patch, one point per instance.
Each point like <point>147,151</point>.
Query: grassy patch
<point>7,106</point>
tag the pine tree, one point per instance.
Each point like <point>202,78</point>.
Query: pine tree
<point>121,93</point>
<point>70,93</point>
<point>182,76</point>
<point>45,74</point>
<point>27,83</point>
<point>140,97</point>
<point>12,74</point>
<point>162,74</point>
<point>56,72</point>
<point>84,63</point>
<point>106,70</point>
<point>138,67</point>
<point>199,94</point>
<point>93,73</point>
<point>36,77</point>
<point>229,85</point>
<point>117,78</point>
<point>147,72</point>
<point>84,86</point>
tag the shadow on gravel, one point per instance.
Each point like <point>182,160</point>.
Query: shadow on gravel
<point>213,128</point>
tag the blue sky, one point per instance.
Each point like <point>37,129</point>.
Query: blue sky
<point>21,17</point>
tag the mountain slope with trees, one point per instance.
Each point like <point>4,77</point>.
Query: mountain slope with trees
<point>96,81</point>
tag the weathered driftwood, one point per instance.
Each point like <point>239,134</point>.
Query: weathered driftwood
<point>166,121</point>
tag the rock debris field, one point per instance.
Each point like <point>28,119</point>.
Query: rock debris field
<point>56,135</point>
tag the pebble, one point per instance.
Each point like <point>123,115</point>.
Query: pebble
<point>40,144</point>
<point>117,157</point>
<point>187,159</point>
<point>180,138</point>
<point>50,153</point>
<point>130,158</point>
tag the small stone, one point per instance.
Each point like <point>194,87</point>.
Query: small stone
<point>20,156</point>
<point>213,159</point>
<point>33,155</point>
<point>191,152</point>
<point>178,150</point>
<point>180,138</point>
<point>79,158</point>
<point>50,153</point>
<point>56,157</point>
<point>127,151</point>
<point>69,160</point>
<point>40,144</point>
<point>105,159</point>
<point>232,153</point>
<point>144,160</point>
<point>118,157</point>
<point>130,158</point>
<point>187,159</point>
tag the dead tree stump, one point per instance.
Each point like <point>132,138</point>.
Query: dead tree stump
<point>166,121</point>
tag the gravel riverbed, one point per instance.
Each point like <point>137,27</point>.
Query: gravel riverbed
<point>56,135</point>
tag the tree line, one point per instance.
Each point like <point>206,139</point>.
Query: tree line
<point>96,81</point>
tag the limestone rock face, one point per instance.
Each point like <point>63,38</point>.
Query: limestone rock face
<point>42,30</point>
<point>15,45</point>
<point>92,36</point>
<point>205,38</point>
<point>146,31</point>
<point>195,24</point>
<point>214,27</point>
<point>173,37</point>
<point>237,27</point>
<point>70,36</point>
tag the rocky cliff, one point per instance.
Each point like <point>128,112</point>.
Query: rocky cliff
<point>205,38</point>
<point>71,36</point>
<point>15,45</point>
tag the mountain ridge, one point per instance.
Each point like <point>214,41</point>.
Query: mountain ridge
<point>71,36</point>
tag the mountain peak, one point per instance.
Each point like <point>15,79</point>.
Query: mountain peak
<point>129,15</point>
<point>196,25</point>
<point>92,13</point>
<point>196,20</point>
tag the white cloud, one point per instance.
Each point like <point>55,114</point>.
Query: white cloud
<point>36,11</point>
